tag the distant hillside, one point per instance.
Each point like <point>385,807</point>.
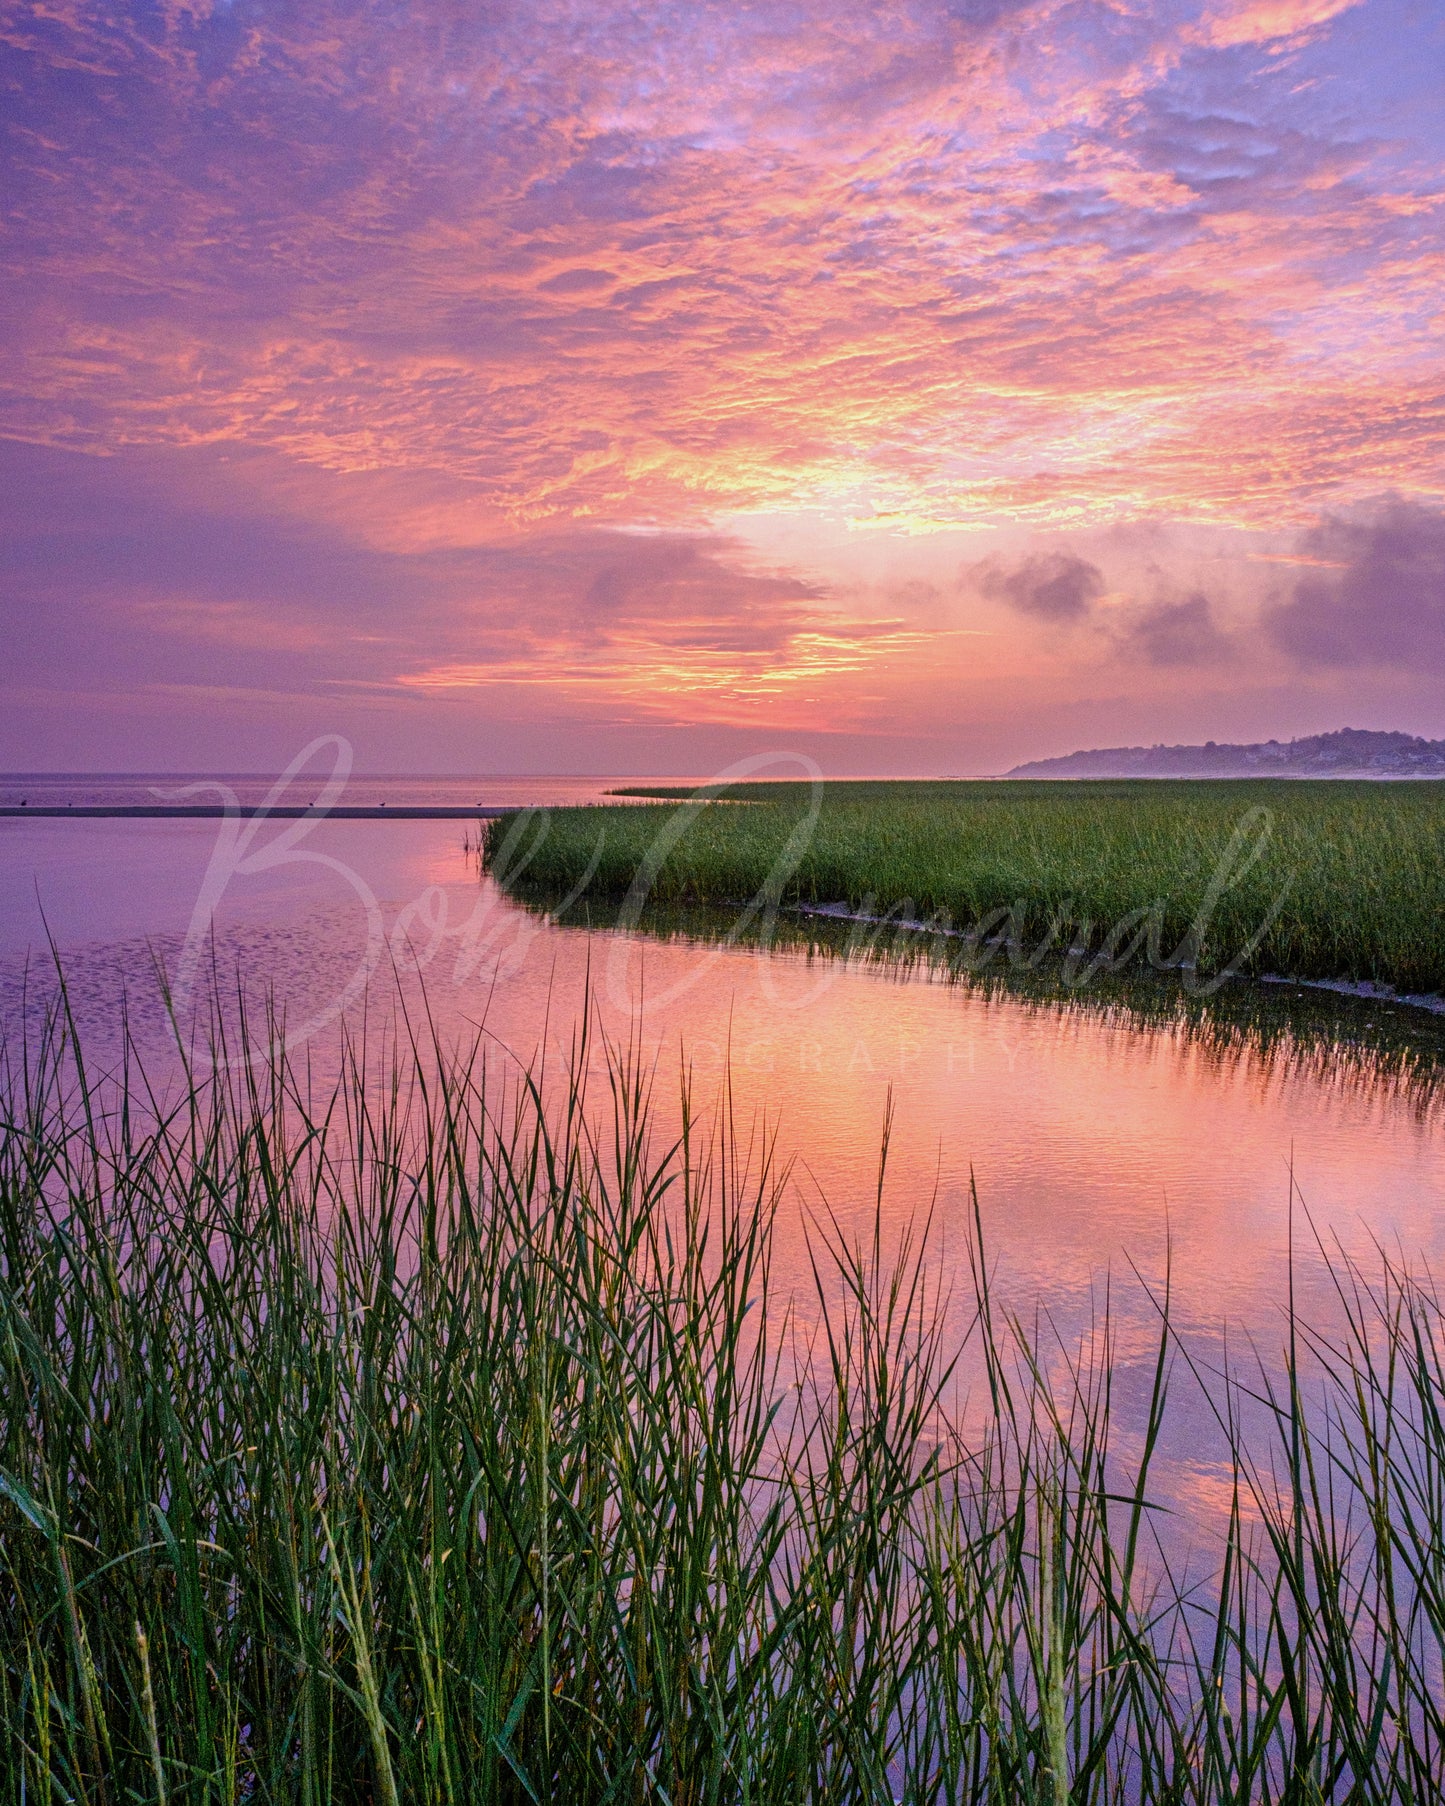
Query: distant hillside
<point>1352,752</point>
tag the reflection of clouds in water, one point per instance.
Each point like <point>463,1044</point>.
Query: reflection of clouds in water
<point>1369,1044</point>
<point>1096,1136</point>
<point>452,943</point>
<point>124,988</point>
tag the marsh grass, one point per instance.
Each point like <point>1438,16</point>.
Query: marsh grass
<point>1334,880</point>
<point>432,1436</point>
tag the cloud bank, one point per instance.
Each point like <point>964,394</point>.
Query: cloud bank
<point>633,261</point>
<point>411,349</point>
<point>1377,596</point>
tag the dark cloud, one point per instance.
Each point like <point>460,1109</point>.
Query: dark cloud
<point>1061,588</point>
<point>983,15</point>
<point>1175,631</point>
<point>1053,586</point>
<point>1376,595</point>
<point>1223,156</point>
<point>577,281</point>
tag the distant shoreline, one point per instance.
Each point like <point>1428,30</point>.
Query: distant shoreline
<point>1349,752</point>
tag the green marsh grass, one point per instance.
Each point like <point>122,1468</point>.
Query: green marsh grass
<point>1314,880</point>
<point>430,1435</point>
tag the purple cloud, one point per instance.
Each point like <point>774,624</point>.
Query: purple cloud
<point>1052,586</point>
<point>1178,630</point>
<point>1376,596</point>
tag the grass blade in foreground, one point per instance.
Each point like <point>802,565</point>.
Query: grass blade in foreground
<point>432,1441</point>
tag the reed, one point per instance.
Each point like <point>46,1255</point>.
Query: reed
<point>1332,880</point>
<point>438,1434</point>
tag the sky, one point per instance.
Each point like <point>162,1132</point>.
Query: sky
<point>594,387</point>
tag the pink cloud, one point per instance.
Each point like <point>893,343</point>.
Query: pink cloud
<point>1267,21</point>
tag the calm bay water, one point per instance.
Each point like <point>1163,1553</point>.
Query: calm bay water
<point>1096,1142</point>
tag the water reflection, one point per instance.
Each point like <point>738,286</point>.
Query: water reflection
<point>1367,1042</point>
<point>1104,1128</point>
<point>1101,1125</point>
